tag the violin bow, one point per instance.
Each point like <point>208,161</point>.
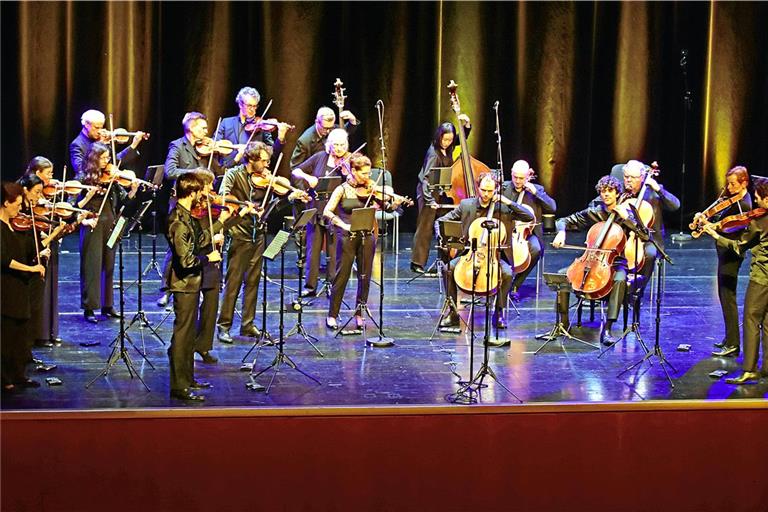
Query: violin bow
<point>213,147</point>
<point>373,188</point>
<point>344,160</point>
<point>271,181</point>
<point>114,175</point>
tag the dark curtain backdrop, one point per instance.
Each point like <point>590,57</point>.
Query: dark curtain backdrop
<point>581,85</point>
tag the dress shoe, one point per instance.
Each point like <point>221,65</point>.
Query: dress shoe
<point>208,358</point>
<point>89,316</point>
<point>186,394</point>
<point>308,292</point>
<point>452,320</point>
<point>224,337</point>
<point>607,338</point>
<point>745,378</point>
<point>727,352</point>
<point>417,268</point>
<point>43,343</point>
<point>719,344</point>
<point>498,319</point>
<point>250,332</point>
<point>200,384</point>
<point>57,341</point>
<point>28,383</point>
<point>162,301</point>
<point>331,323</point>
<point>111,313</point>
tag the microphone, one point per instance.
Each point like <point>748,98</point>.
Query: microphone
<point>683,57</point>
<point>496,105</point>
<point>379,104</point>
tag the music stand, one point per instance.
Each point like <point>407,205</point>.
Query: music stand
<point>155,174</point>
<point>558,283</point>
<point>326,185</point>
<point>451,236</point>
<point>439,178</point>
<point>123,226</point>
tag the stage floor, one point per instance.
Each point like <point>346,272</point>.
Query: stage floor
<point>416,371</point>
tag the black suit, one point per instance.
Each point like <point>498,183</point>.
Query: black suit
<point>233,130</point>
<point>79,147</point>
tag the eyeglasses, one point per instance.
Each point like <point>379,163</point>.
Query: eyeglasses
<point>253,106</point>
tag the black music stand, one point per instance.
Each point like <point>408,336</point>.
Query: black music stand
<point>277,246</point>
<point>558,283</point>
<point>451,236</point>
<point>122,227</point>
<point>155,175</point>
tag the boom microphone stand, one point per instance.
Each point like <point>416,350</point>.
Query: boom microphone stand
<point>687,101</point>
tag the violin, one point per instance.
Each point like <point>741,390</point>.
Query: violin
<point>25,222</point>
<point>207,145</point>
<point>280,185</point>
<point>217,204</point>
<point>62,209</point>
<point>265,125</point>
<point>369,189</point>
<point>720,204</point>
<point>733,223</point>
<point>124,178</point>
<point>71,187</point>
<point>120,135</point>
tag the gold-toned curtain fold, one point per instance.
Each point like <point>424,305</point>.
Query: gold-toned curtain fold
<point>208,89</point>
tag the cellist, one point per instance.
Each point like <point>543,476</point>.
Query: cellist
<point>609,189</point>
<point>467,211</point>
<point>439,154</point>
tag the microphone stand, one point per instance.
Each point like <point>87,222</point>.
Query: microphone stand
<point>500,178</point>
<point>683,237</point>
<point>381,340</point>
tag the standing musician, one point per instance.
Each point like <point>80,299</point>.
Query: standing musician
<point>660,199</point>
<point>238,129</point>
<point>17,270</point>
<point>93,125</point>
<point>97,261</point>
<point>467,211</point>
<point>609,189</point>
<point>334,161</point>
<point>248,240</point>
<point>439,154</point>
<point>522,191</point>
<point>729,261</point>
<point>754,238</point>
<point>187,239</point>
<point>313,139</point>
<point>352,247</point>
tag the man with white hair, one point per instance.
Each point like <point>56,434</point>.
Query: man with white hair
<point>312,140</point>
<point>531,195</point>
<point>93,124</point>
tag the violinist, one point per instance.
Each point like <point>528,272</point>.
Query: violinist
<point>182,154</point>
<point>660,199</point>
<point>439,154</point>
<point>737,182</point>
<point>352,247</point>
<point>238,129</point>
<point>609,189</point>
<point>313,139</point>
<point>467,211</point>
<point>248,239</point>
<point>93,124</point>
<point>521,190</point>
<point>17,271</point>
<point>754,238</point>
<point>319,233</point>
<point>97,261</point>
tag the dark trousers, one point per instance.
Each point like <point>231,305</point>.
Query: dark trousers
<point>615,298</point>
<point>755,310</point>
<point>425,230</point>
<point>504,286</point>
<point>316,234</point>
<point>352,248</point>
<point>647,270</point>
<point>97,267</point>
<point>243,265</point>
<point>45,315</point>
<point>182,350</point>
<point>206,322</point>
<point>534,247</point>
<point>14,351</point>
<point>728,265</point>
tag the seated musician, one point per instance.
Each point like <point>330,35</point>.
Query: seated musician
<point>439,154</point>
<point>467,211</point>
<point>609,189</point>
<point>522,191</point>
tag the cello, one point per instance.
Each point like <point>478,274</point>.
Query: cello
<point>634,250</point>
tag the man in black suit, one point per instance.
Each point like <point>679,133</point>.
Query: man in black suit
<point>467,211</point>
<point>313,139</point>
<point>235,128</point>
<point>93,124</point>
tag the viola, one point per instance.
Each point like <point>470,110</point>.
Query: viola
<point>280,185</point>
<point>124,178</point>
<point>25,222</point>
<point>265,125</point>
<point>120,135</point>
<point>733,223</point>
<point>207,145</point>
<point>720,204</point>
<point>71,187</point>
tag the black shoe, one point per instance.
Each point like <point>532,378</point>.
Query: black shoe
<point>498,319</point>
<point>744,378</point>
<point>200,384</point>
<point>111,313</point>
<point>28,383</point>
<point>224,336</point>
<point>607,338</point>
<point>186,394</point>
<point>308,292</point>
<point>719,344</point>
<point>208,358</point>
<point>89,316</point>
<point>452,320</point>
<point>250,332</point>
<point>43,343</point>
<point>727,352</point>
<point>417,268</point>
<point>162,301</point>
<point>57,341</point>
